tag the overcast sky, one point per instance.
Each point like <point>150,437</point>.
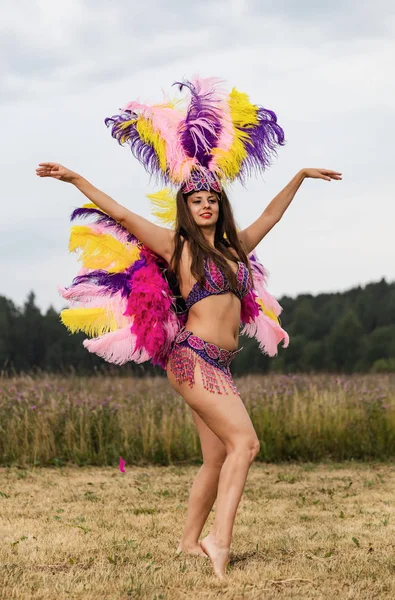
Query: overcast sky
<point>325,68</point>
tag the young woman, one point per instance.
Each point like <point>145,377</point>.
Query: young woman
<point>218,138</point>
<point>228,439</point>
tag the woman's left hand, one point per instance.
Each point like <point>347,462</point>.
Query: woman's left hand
<point>326,174</point>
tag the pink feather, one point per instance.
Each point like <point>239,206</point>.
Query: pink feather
<point>269,301</point>
<point>114,230</point>
<point>85,293</point>
<point>206,84</point>
<point>166,121</point>
<point>117,347</point>
<point>267,332</point>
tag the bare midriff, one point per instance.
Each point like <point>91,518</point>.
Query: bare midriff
<point>216,319</point>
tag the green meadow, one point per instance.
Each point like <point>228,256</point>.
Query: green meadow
<point>49,420</point>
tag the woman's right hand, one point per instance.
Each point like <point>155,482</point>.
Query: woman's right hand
<point>57,171</point>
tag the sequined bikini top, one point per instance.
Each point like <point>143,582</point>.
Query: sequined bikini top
<point>216,283</point>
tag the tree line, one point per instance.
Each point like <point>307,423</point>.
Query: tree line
<point>345,332</point>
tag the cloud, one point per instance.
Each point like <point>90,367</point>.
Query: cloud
<point>345,20</point>
<point>52,48</point>
<point>83,42</point>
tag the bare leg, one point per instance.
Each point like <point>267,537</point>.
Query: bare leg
<point>204,488</point>
<point>230,489</point>
<point>227,417</point>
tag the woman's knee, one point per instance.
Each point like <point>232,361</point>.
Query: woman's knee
<point>255,448</point>
<point>248,447</point>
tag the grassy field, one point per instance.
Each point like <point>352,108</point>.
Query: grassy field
<point>302,531</point>
<point>50,420</point>
<point>308,526</point>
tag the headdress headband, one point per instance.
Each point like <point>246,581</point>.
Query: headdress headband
<point>215,137</point>
<point>202,179</point>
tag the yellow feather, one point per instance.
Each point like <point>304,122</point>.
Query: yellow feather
<point>269,313</point>
<point>243,114</point>
<point>164,206</point>
<point>101,250</point>
<point>124,125</point>
<point>92,321</point>
<point>147,133</point>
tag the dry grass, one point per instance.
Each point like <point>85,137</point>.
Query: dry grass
<point>302,531</point>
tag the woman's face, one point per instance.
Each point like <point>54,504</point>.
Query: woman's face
<point>204,207</point>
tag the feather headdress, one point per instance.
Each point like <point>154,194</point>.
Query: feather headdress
<point>212,138</point>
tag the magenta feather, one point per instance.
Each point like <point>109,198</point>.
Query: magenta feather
<point>150,304</point>
<point>249,307</point>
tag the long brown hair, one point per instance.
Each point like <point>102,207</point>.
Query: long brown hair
<point>187,229</point>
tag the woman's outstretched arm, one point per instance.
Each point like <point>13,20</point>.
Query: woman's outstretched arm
<point>158,239</point>
<point>252,235</point>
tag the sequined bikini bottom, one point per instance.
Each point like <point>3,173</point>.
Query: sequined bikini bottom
<point>189,349</point>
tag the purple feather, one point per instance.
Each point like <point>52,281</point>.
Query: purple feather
<point>200,130</point>
<point>137,265</point>
<point>81,213</point>
<point>264,139</point>
<point>113,282</point>
<point>144,152</point>
<point>101,219</point>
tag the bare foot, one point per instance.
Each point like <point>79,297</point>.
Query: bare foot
<point>191,550</point>
<point>219,556</point>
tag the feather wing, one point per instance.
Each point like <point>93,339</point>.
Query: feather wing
<point>260,312</point>
<point>120,297</point>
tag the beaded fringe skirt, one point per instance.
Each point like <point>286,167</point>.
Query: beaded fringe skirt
<point>214,362</point>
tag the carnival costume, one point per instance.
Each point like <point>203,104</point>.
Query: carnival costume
<point>124,296</point>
